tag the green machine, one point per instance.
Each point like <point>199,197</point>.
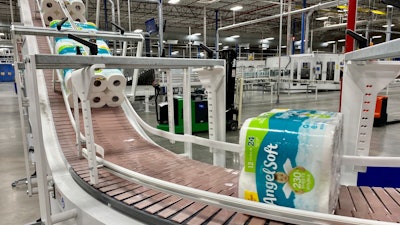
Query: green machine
<point>199,114</point>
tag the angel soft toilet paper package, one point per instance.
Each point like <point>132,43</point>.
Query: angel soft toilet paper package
<point>291,158</point>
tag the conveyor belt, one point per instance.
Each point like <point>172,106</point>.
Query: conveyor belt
<point>125,147</point>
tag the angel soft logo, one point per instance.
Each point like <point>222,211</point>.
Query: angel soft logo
<point>269,170</point>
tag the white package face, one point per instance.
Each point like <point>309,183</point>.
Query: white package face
<point>291,158</point>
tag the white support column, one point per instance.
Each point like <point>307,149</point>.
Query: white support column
<point>81,80</point>
<point>187,110</point>
<point>41,161</point>
<point>170,96</point>
<point>362,82</point>
<point>135,77</point>
<point>213,80</point>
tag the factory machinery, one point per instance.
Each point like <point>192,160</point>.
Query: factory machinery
<point>115,174</point>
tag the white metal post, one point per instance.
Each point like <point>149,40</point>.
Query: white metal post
<point>135,77</point>
<point>41,161</point>
<point>187,110</point>
<point>170,96</point>
<point>213,80</point>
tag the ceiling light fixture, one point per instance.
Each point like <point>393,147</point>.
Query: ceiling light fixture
<point>377,37</point>
<point>137,31</point>
<point>173,1</point>
<point>237,8</point>
<point>341,40</point>
<point>267,39</point>
<point>322,18</point>
<point>387,25</point>
<point>196,34</point>
<point>208,1</point>
<point>235,36</point>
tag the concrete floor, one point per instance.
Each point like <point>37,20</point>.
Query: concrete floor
<point>15,205</point>
<point>17,208</point>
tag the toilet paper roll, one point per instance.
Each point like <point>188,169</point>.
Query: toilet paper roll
<point>98,100</point>
<point>290,158</point>
<point>79,18</point>
<point>114,99</point>
<point>49,17</point>
<point>50,5</point>
<point>116,81</point>
<point>76,7</point>
<point>99,83</point>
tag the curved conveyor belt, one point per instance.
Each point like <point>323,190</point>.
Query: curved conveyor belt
<point>125,147</point>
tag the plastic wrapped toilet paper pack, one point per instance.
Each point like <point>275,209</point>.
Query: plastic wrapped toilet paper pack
<point>291,158</point>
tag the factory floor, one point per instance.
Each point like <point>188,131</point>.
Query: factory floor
<point>17,208</point>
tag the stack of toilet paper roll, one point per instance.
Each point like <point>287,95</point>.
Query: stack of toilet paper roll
<point>109,84</point>
<point>51,10</point>
<point>291,158</point>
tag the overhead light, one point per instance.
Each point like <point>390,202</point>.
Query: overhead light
<point>172,42</point>
<point>322,18</point>
<point>264,48</point>
<point>174,53</point>
<point>196,34</point>
<point>283,46</point>
<point>208,1</point>
<point>173,1</point>
<point>235,36</point>
<point>219,43</point>
<point>392,25</point>
<point>330,42</point>
<point>377,37</point>
<point>137,31</point>
<point>341,40</point>
<point>267,39</point>
<point>237,8</point>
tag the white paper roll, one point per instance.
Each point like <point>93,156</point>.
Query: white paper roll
<point>116,81</point>
<point>76,7</point>
<point>97,100</point>
<point>99,84</point>
<point>50,5</point>
<point>78,18</point>
<point>114,99</point>
<point>49,16</point>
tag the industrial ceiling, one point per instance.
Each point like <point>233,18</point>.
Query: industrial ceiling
<point>190,14</point>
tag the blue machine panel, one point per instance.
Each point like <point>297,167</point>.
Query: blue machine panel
<point>7,73</point>
<point>380,177</point>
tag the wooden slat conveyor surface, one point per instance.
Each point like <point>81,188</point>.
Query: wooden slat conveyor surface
<point>125,147</point>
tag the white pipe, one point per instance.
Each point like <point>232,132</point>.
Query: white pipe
<point>160,28</point>
<point>205,26</point>
<point>118,13</point>
<point>129,16</point>
<point>12,12</point>
<point>63,216</point>
<point>97,13</point>
<point>389,22</point>
<point>289,29</point>
<point>113,20</point>
<point>307,31</point>
<point>315,7</point>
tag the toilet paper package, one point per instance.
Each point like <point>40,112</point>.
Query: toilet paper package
<point>292,158</point>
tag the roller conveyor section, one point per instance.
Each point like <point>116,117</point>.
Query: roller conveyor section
<point>127,148</point>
